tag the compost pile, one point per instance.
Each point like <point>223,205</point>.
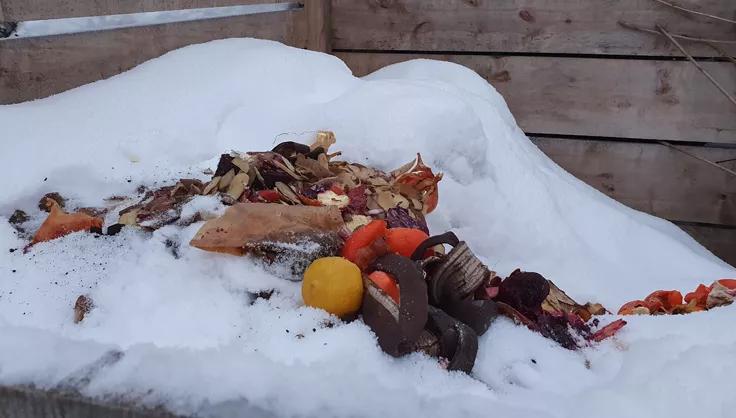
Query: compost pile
<point>357,238</point>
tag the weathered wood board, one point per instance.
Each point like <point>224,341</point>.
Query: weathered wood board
<point>528,26</point>
<point>38,67</point>
<point>645,99</point>
<point>651,177</point>
<point>17,402</point>
<point>19,10</point>
<point>719,240</point>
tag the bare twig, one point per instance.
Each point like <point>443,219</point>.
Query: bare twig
<point>674,6</point>
<point>698,66</point>
<point>722,52</point>
<point>632,26</point>
<point>726,161</point>
<point>697,157</point>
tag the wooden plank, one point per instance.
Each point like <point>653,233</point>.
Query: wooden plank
<point>650,99</point>
<point>319,33</point>
<point>39,67</point>
<point>651,177</point>
<point>548,26</point>
<point>720,241</point>
<point>25,402</point>
<point>19,10</point>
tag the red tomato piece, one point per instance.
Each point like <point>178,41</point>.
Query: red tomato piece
<point>386,283</point>
<point>362,239</point>
<point>404,241</point>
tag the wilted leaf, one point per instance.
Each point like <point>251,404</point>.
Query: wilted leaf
<point>225,180</point>
<point>243,165</point>
<point>401,218</point>
<point>238,185</point>
<point>330,198</point>
<point>356,221</point>
<point>419,177</point>
<point>82,307</point>
<point>212,186</point>
<point>312,167</point>
<point>288,193</point>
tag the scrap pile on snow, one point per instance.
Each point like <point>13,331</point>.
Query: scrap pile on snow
<point>180,319</point>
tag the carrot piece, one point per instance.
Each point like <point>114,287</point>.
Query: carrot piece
<point>609,330</point>
<point>669,299</point>
<point>362,239</point>
<point>634,307</point>
<point>386,283</point>
<point>59,223</point>
<point>404,241</point>
<point>700,295</point>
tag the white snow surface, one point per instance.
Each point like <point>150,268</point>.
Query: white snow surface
<point>193,338</point>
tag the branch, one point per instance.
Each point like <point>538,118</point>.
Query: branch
<point>632,26</point>
<point>674,6</point>
<point>722,52</point>
<point>697,157</point>
<point>698,66</point>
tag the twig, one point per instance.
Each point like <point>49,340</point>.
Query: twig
<point>674,6</point>
<point>726,161</point>
<point>632,26</point>
<point>698,66</point>
<point>722,52</point>
<point>697,157</point>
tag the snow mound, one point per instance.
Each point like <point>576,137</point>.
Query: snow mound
<point>187,324</point>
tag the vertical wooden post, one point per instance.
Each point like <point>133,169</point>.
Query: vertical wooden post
<point>2,15</point>
<point>319,25</point>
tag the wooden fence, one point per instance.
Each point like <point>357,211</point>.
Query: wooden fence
<point>593,95</point>
<point>38,67</point>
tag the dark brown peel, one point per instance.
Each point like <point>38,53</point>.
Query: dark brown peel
<point>458,342</point>
<point>398,327</point>
<point>291,149</point>
<point>446,238</point>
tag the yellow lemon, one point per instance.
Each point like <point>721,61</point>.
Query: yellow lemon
<point>334,284</point>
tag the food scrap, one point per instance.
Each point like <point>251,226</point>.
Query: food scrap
<point>357,238</point>
<point>669,302</point>
<point>59,223</point>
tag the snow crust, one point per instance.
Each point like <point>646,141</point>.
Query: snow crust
<point>177,326</point>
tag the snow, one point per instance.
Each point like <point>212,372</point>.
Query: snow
<point>177,326</point>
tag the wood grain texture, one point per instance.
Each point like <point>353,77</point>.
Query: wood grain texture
<point>39,67</point>
<point>19,10</point>
<point>319,35</point>
<point>548,26</point>
<point>19,402</point>
<point>650,99</point>
<point>651,177</point>
<point>719,240</point>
